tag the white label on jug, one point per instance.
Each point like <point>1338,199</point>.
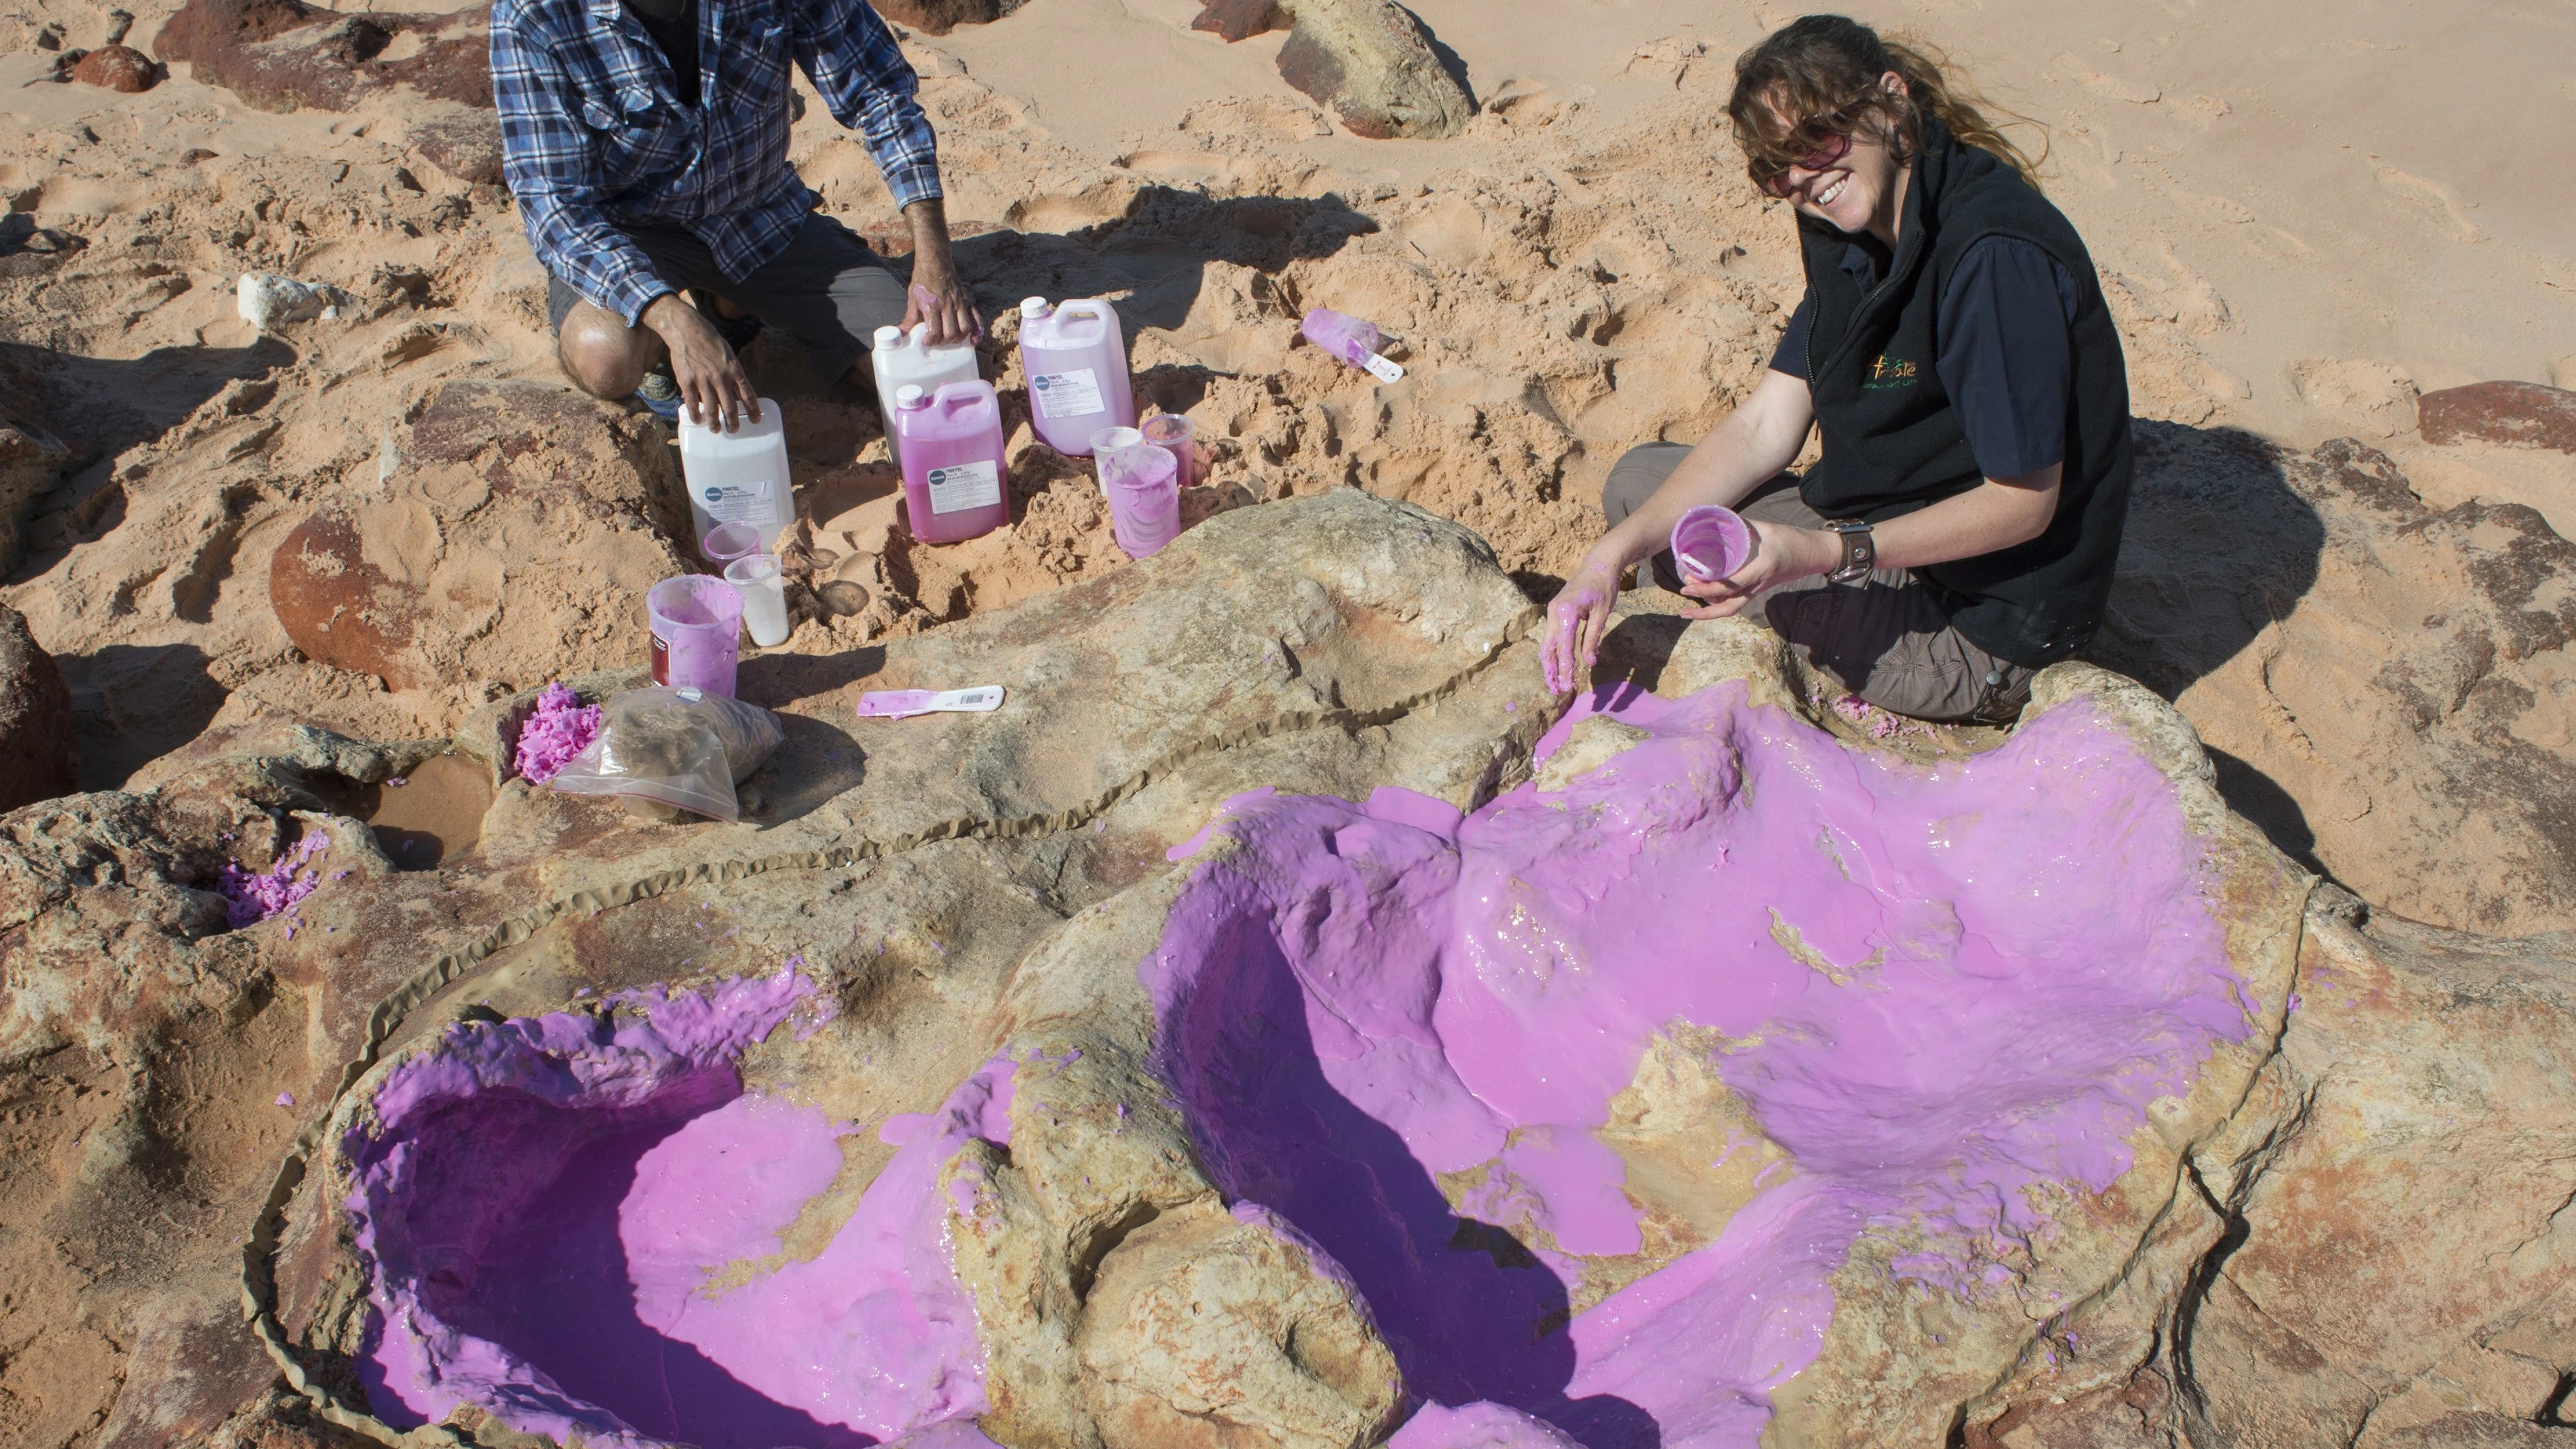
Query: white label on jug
<point>961,486</point>
<point>737,502</point>
<point>1072,394</point>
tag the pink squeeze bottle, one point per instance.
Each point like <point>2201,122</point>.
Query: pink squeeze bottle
<point>1075,359</point>
<point>954,486</point>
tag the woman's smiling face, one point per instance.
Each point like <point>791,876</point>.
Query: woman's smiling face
<point>1860,190</point>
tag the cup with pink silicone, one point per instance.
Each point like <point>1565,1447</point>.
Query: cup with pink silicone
<point>1711,543</point>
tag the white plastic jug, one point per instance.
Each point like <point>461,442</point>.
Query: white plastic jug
<point>739,477</point>
<point>902,362</point>
<point>1076,361</point>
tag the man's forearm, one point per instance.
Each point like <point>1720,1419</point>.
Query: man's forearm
<point>929,219</point>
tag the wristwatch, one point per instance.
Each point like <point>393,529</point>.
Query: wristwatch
<point>1860,553</point>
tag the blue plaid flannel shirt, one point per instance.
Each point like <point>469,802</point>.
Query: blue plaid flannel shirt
<point>593,135</point>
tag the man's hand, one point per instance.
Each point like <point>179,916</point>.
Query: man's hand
<point>938,295</point>
<point>1781,555</point>
<point>713,386</point>
<point>1576,620</point>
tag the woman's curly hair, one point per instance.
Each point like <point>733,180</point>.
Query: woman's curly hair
<point>1820,75</point>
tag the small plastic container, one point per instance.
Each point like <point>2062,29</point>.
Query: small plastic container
<point>1075,359</point>
<point>729,541</point>
<point>761,580</point>
<point>739,477</point>
<point>1144,498</point>
<point>1175,434</point>
<point>697,633</point>
<point>1108,441</point>
<point>954,483</point>
<point>1710,542</point>
<point>1351,339</point>
<point>900,362</point>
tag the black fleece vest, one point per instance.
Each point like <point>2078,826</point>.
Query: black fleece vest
<point>1893,442</point>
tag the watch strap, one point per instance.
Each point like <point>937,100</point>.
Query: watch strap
<point>1860,551</point>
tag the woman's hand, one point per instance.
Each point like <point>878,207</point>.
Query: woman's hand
<point>1781,555</point>
<point>713,386</point>
<point>1576,620</point>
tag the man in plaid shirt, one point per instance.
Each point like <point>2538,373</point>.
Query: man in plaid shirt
<point>646,142</point>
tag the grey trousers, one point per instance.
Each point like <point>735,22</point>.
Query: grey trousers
<point>827,290</point>
<point>1888,640</point>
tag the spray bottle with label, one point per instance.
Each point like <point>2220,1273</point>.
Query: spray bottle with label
<point>954,485</point>
<point>1075,358</point>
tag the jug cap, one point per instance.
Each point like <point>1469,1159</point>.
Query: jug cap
<point>1034,308</point>
<point>889,336</point>
<point>910,396</point>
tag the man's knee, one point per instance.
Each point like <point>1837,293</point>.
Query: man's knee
<point>601,354</point>
<point>1635,477</point>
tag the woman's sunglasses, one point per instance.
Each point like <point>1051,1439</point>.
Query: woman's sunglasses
<point>1833,141</point>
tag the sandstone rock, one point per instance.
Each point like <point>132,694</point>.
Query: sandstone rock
<point>32,462</point>
<point>1375,65</point>
<point>37,758</point>
<point>938,17</point>
<point>463,141</point>
<point>518,501</point>
<point>118,68</point>
<point>2321,623</point>
<point>2513,414</point>
<point>279,55</point>
<point>1235,20</point>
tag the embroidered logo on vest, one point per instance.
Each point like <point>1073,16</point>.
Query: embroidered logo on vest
<point>1890,372</point>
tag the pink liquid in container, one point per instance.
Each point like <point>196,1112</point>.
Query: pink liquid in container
<point>1142,482</point>
<point>954,486</point>
<point>1352,340</point>
<point>697,632</point>
<point>1075,359</point>
<point>1710,542</point>
<point>1175,434</point>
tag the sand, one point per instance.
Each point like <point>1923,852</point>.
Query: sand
<point>2305,215</point>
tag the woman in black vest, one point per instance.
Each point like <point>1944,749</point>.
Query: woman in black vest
<point>1956,352</point>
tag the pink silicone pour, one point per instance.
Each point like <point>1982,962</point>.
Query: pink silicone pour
<point>954,442</point>
<point>1344,336</point>
<point>1710,542</point>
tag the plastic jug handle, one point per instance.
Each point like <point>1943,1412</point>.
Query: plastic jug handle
<point>1090,307</point>
<point>957,397</point>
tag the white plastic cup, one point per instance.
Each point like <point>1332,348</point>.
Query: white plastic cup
<point>760,579</point>
<point>729,541</point>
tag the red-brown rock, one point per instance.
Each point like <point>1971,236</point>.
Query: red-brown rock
<point>37,761</point>
<point>1234,20</point>
<point>938,17</point>
<point>118,68</point>
<point>338,608</point>
<point>279,55</point>
<point>2515,414</point>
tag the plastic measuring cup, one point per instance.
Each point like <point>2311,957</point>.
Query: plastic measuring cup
<point>1175,434</point>
<point>1108,441</point>
<point>1352,339</point>
<point>1710,542</point>
<point>762,582</point>
<point>729,541</point>
<point>1144,498</point>
<point>697,633</point>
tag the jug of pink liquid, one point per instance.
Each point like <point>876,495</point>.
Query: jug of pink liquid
<point>1142,482</point>
<point>953,479</point>
<point>1710,542</point>
<point>1075,359</point>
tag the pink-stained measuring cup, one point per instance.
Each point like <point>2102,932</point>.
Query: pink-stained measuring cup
<point>1710,543</point>
<point>1175,434</point>
<point>697,633</point>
